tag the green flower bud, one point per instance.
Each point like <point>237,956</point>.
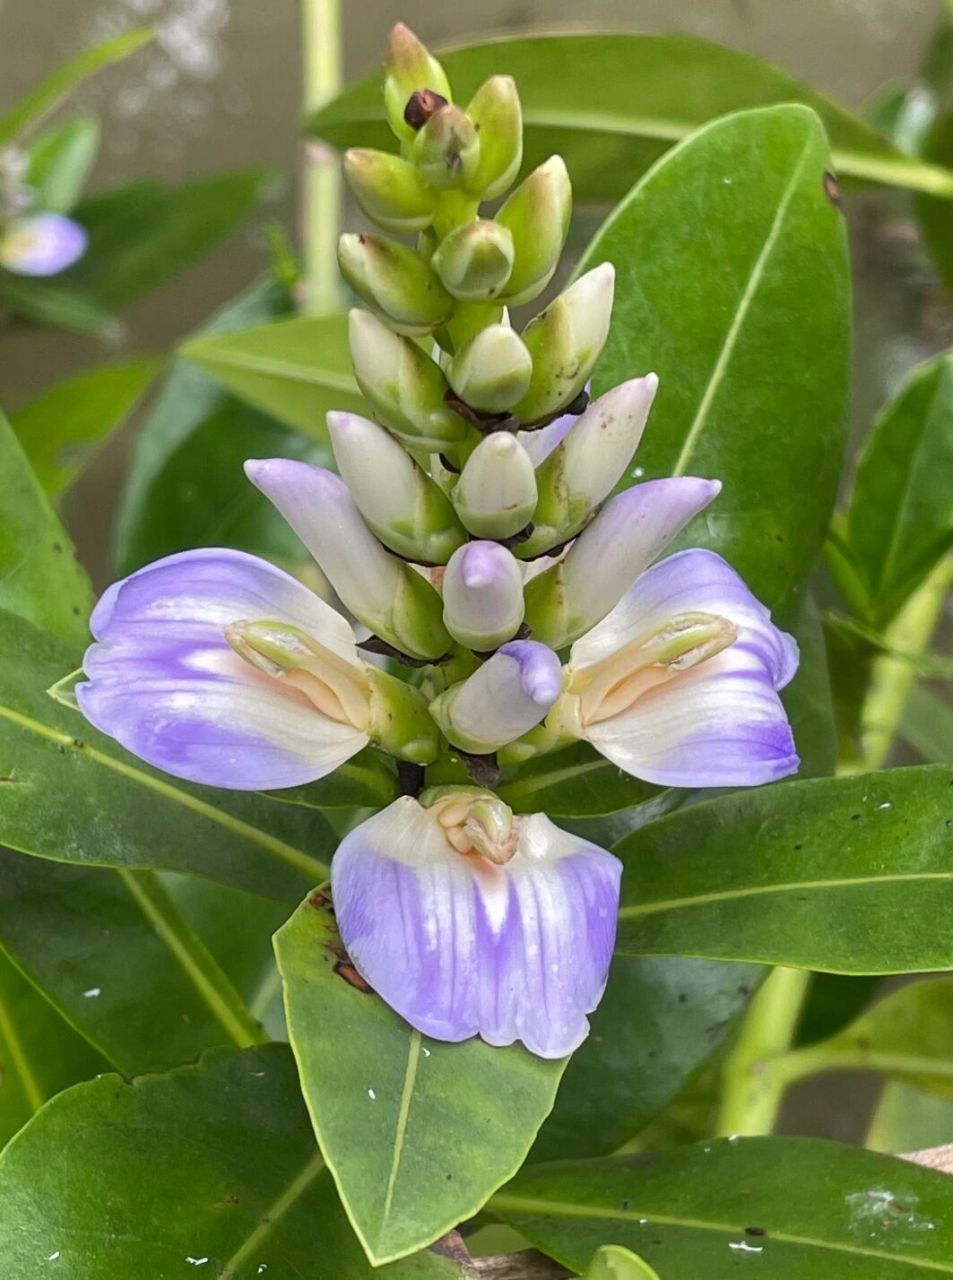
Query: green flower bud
<point>410,68</point>
<point>474,262</point>
<point>407,510</point>
<point>537,215</point>
<point>565,341</point>
<point>446,150</point>
<point>396,280</point>
<point>495,496</point>
<point>482,596</point>
<point>400,722</point>
<point>497,116</point>
<point>492,371</point>
<point>405,387</point>
<point>389,190</point>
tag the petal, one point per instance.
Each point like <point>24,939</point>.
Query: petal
<point>42,245</point>
<point>695,581</point>
<point>460,947</point>
<point>503,699</point>
<point>720,724</point>
<point>165,683</point>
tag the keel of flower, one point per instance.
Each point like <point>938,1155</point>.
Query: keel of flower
<point>469,920</point>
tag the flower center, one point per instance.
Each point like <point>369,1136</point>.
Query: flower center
<point>334,686</point>
<point>478,824</point>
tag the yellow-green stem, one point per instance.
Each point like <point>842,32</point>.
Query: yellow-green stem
<point>321,39</point>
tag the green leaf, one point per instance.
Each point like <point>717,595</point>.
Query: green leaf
<point>39,1053</point>
<point>931,212</point>
<point>613,1263</point>
<point>39,577</point>
<point>752,358</point>
<point>59,162</point>
<point>211,1166</point>
<point>927,725</point>
<point>144,234</point>
<point>71,794</point>
<point>417,1133</point>
<point>576,783</point>
<point>824,874</point>
<point>367,780</point>
<point>187,487</point>
<point>117,959</point>
<point>296,369</point>
<point>55,307</point>
<point>61,430</point>
<point>659,1021</point>
<point>611,104</point>
<point>900,519</point>
<point>909,1119</point>
<point>790,1208</point>
<point>37,104</point>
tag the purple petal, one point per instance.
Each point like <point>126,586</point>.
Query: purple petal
<point>42,245</point>
<point>540,444</point>
<point>461,947</point>
<point>165,683</point>
<point>503,699</point>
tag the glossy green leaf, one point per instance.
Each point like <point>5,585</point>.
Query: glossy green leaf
<point>61,430</point>
<point>186,487</point>
<point>56,307</point>
<point>834,874</point>
<point>71,794</point>
<point>788,1208</point>
<point>614,1263</point>
<point>296,369</point>
<point>909,1119</point>
<point>367,780</point>
<point>113,954</point>
<point>611,104</point>
<point>39,577</point>
<point>30,110</point>
<point>833,1001</point>
<point>417,1133</point>
<point>211,1166</point>
<point>58,163</point>
<point>900,519</point>
<point>575,782</point>
<point>39,1053</point>
<point>145,233</point>
<point>753,357</point>
<point>927,725</point>
<point>660,1020</point>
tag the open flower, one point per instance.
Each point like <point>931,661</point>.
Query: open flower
<point>470,921</point>
<point>41,244</point>
<point>220,668</point>
<point>678,685</point>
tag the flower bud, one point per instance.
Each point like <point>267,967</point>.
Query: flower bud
<point>491,371</point>
<point>405,387</point>
<point>396,280</point>
<point>630,531</point>
<point>537,215</point>
<point>586,466</point>
<point>410,68</point>
<point>389,190</point>
<point>504,698</point>
<point>495,496</point>
<point>482,596</point>
<point>475,260</point>
<point>400,722</point>
<point>565,341</point>
<point>497,116</point>
<point>403,506</point>
<point>388,596</point>
<point>446,150</point>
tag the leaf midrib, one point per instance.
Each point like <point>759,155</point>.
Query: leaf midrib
<point>20,1059</point>
<point>272,1216</point>
<point>537,1207</point>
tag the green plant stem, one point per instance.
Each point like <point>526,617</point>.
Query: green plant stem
<point>751,1095</point>
<point>321,38</point>
<point>892,677</point>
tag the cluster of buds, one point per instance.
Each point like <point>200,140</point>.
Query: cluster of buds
<point>472,534</point>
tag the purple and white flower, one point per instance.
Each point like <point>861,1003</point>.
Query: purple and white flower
<point>470,921</point>
<point>679,684</point>
<point>41,244</point>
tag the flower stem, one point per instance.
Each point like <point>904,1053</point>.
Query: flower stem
<point>321,38</point>
<point>751,1095</point>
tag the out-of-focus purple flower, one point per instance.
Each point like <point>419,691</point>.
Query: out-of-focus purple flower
<point>470,921</point>
<point>182,676</point>
<point>679,684</point>
<point>42,244</point>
